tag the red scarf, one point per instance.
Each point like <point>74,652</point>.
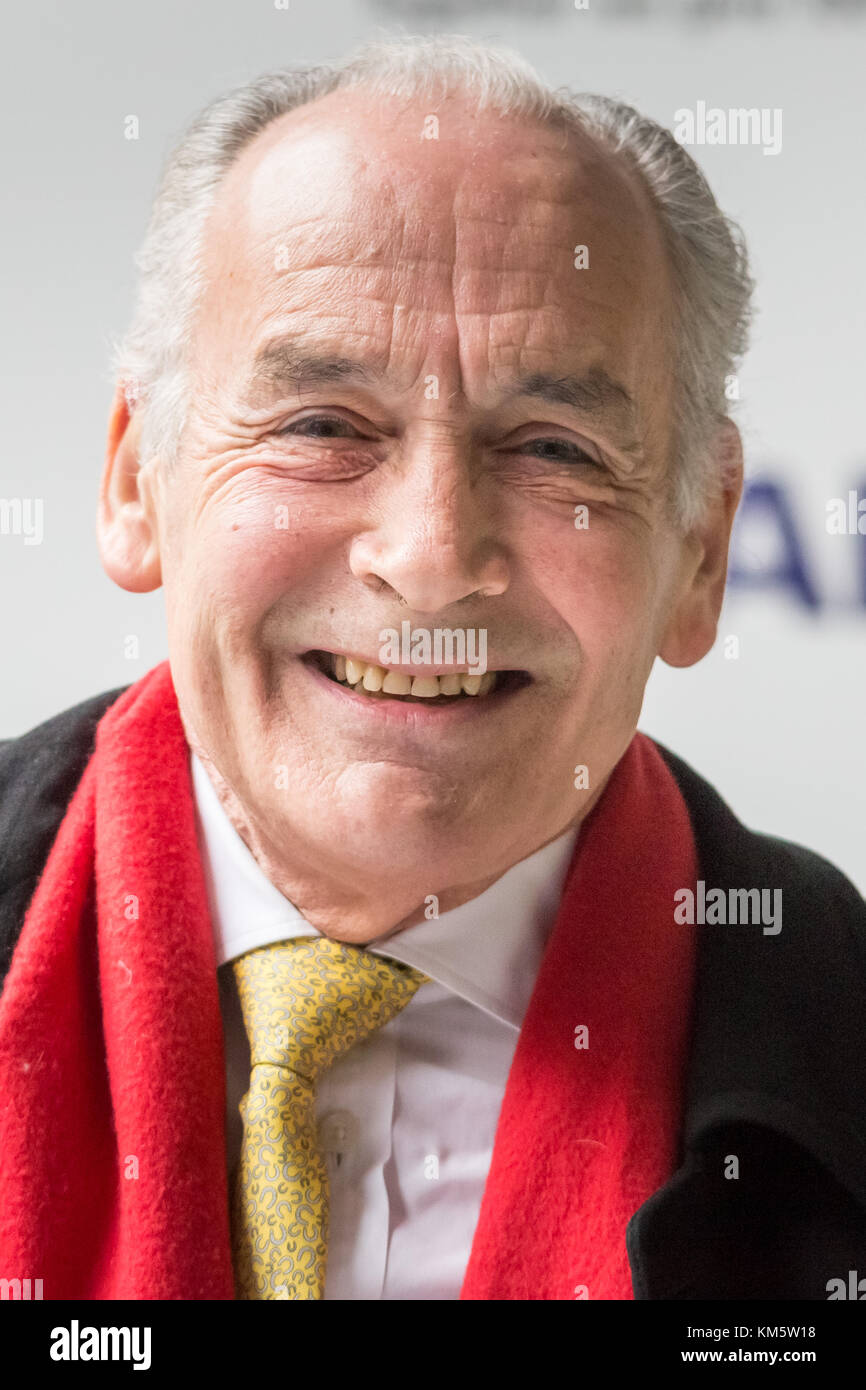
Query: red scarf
<point>113,1179</point>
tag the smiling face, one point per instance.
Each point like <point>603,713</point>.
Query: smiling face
<point>404,387</point>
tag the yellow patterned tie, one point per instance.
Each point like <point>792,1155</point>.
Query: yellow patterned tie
<point>305,1002</point>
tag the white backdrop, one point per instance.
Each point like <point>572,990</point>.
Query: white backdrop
<point>779,727</point>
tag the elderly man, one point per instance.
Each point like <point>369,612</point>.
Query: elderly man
<point>363,950</point>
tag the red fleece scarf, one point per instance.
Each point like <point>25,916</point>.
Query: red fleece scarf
<point>113,1180</point>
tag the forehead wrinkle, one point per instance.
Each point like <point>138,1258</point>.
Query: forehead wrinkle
<point>447,244</point>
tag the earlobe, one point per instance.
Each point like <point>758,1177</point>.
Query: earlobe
<point>126,527</point>
<point>691,630</point>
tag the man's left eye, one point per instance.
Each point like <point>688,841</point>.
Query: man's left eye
<point>558,451</point>
<point>321,427</point>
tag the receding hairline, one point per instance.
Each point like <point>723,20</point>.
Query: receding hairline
<point>588,155</point>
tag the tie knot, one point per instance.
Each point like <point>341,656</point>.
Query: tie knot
<point>308,1000</point>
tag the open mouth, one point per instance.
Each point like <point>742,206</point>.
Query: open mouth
<point>379,683</point>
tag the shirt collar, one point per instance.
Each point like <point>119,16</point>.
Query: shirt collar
<point>488,951</point>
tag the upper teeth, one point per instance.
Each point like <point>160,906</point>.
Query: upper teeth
<point>364,676</point>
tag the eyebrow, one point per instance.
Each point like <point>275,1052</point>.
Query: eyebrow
<point>594,393</point>
<point>282,363</point>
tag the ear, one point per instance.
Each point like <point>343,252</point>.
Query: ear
<point>126,525</point>
<point>691,629</point>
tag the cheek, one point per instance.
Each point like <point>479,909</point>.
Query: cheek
<point>603,583</point>
<point>246,550</point>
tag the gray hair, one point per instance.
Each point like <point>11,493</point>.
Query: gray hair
<point>712,286</point>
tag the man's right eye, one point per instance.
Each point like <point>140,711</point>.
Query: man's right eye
<point>321,427</point>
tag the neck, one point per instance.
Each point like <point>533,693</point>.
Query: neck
<point>344,906</point>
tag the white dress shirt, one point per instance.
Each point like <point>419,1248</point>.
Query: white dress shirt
<point>407,1118</point>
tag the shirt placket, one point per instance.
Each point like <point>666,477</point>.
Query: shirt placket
<point>355,1113</point>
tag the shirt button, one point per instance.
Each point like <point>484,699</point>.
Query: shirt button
<point>338,1133</point>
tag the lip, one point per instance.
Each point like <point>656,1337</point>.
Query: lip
<point>401,713</point>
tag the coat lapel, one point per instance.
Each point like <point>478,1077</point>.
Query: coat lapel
<point>778,1030</point>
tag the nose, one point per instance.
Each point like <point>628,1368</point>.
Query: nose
<point>435,543</point>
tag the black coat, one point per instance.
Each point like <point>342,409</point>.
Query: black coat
<point>777,1063</point>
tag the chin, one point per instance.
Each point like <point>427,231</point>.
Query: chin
<point>394,841</point>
